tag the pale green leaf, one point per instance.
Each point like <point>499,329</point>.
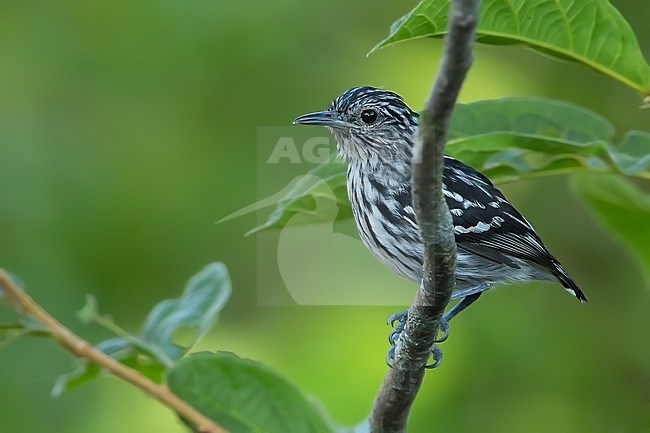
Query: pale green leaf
<point>197,309</point>
<point>321,187</point>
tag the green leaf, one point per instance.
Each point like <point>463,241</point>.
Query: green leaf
<point>623,208</point>
<point>120,349</point>
<point>90,311</point>
<point>589,32</point>
<point>321,188</point>
<point>196,310</point>
<point>632,156</point>
<point>243,395</point>
<point>507,140</point>
<point>155,349</point>
<point>23,327</point>
<point>535,116</point>
<point>84,373</point>
<point>513,138</point>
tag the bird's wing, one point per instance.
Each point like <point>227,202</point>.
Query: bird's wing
<point>485,223</point>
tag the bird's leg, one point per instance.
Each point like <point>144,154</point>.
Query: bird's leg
<point>469,296</point>
<point>470,291</point>
<point>460,306</point>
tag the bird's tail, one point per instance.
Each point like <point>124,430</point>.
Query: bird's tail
<point>568,282</point>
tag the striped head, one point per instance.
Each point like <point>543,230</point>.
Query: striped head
<point>374,128</point>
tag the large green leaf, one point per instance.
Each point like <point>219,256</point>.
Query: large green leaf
<point>528,115</point>
<point>244,396</point>
<point>590,32</point>
<point>623,208</point>
<point>508,140</point>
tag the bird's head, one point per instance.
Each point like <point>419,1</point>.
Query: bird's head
<point>373,128</point>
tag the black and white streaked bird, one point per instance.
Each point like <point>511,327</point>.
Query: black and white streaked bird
<point>375,133</point>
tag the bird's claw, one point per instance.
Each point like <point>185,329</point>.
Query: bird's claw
<point>400,319</point>
<point>394,336</point>
<point>444,329</point>
<point>397,317</point>
<point>436,356</point>
<point>390,356</point>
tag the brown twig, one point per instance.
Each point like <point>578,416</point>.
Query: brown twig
<point>80,348</point>
<point>402,382</point>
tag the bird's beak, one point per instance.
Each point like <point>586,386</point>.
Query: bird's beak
<point>324,118</point>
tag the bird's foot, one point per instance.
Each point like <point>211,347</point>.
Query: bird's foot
<point>400,319</point>
<point>436,356</point>
<point>444,330</point>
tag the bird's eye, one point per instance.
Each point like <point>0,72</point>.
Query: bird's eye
<point>369,116</point>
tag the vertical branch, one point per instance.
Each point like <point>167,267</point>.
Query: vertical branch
<point>403,381</point>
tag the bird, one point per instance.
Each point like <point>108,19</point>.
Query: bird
<point>374,131</point>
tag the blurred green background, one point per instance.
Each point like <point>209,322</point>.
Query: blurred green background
<point>127,129</point>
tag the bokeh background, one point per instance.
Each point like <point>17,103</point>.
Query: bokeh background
<point>127,129</point>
